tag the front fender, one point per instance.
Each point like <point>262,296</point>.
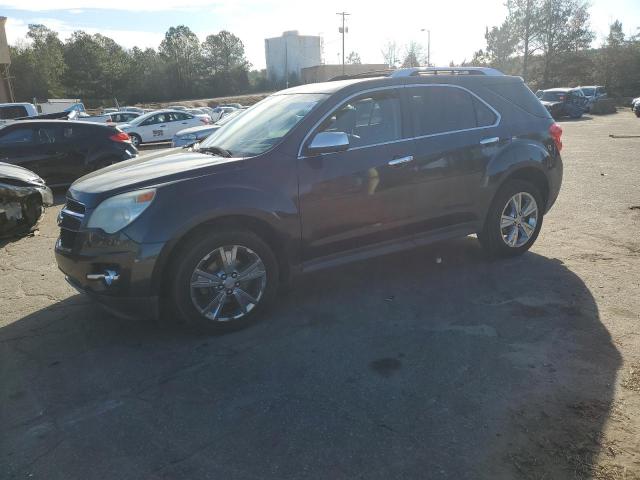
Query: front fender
<point>173,217</point>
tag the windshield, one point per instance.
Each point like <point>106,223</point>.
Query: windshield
<point>262,126</point>
<point>554,96</point>
<point>588,91</point>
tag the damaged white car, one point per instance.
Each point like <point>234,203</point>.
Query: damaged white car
<point>23,197</point>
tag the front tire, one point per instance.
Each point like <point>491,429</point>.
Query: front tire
<point>223,280</point>
<point>514,219</point>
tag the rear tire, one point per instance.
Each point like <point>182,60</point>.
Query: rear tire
<point>216,294</point>
<point>508,232</point>
<point>136,140</point>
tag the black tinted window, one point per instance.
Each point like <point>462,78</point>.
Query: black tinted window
<point>50,134</point>
<point>441,109</point>
<point>484,115</point>
<point>17,135</point>
<point>367,120</point>
<point>13,111</point>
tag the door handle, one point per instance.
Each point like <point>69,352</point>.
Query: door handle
<point>400,161</point>
<point>489,140</point>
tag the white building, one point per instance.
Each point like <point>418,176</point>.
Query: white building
<point>291,52</point>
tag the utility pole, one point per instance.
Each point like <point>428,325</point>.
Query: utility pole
<point>428,45</point>
<point>342,30</point>
<point>286,61</point>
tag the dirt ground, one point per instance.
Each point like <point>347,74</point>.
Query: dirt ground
<point>399,367</point>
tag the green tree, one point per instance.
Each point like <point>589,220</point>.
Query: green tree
<point>564,27</point>
<point>524,24</point>
<point>39,65</point>
<point>181,49</point>
<point>501,45</point>
<point>96,67</point>
<point>224,52</point>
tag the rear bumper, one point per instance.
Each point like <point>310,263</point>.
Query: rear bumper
<point>554,175</point>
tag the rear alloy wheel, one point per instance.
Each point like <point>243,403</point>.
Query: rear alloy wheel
<point>135,139</point>
<point>225,279</point>
<point>514,219</point>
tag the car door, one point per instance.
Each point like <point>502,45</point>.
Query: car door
<point>18,147</point>
<point>180,121</point>
<point>352,198</point>
<point>154,128</point>
<point>455,138</point>
<point>58,156</point>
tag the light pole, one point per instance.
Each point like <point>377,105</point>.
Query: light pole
<point>428,45</point>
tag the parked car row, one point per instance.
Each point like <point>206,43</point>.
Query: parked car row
<point>570,102</point>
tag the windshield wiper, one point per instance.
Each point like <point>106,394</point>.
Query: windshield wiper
<point>216,151</point>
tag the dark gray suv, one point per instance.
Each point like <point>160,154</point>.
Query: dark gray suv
<point>311,177</point>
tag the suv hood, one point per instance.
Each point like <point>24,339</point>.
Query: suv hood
<point>148,170</point>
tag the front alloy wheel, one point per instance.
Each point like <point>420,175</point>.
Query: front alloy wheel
<point>228,283</point>
<point>221,280</point>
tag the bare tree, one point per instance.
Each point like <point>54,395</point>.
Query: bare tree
<point>390,53</point>
<point>354,58</point>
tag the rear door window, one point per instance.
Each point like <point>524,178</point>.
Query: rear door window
<point>441,109</point>
<point>367,120</point>
<point>50,134</point>
<point>17,136</point>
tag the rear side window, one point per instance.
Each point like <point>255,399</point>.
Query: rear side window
<point>13,111</point>
<point>367,120</point>
<point>485,117</point>
<point>439,109</point>
<point>516,92</point>
<point>17,135</point>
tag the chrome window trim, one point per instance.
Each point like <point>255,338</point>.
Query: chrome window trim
<point>392,87</point>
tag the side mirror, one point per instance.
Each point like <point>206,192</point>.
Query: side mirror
<point>328,142</point>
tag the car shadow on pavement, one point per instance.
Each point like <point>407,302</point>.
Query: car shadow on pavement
<point>435,363</point>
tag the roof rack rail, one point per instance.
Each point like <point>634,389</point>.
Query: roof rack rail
<point>415,71</point>
<point>369,74</point>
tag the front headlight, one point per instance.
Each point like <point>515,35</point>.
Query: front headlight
<point>115,213</point>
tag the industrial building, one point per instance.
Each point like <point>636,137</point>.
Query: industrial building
<point>6,95</point>
<point>291,53</point>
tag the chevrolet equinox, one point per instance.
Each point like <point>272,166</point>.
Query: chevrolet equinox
<point>311,177</point>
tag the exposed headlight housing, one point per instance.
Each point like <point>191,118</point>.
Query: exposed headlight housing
<point>116,212</point>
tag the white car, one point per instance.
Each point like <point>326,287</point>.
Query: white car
<point>115,118</point>
<point>160,126</point>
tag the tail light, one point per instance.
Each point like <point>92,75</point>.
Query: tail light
<point>121,137</point>
<point>556,133</point>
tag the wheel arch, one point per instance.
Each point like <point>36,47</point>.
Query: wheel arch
<point>275,239</point>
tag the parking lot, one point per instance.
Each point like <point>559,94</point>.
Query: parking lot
<point>435,363</point>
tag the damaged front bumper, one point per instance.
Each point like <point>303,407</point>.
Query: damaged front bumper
<point>21,207</point>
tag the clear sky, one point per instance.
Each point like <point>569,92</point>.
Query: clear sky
<point>457,26</point>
